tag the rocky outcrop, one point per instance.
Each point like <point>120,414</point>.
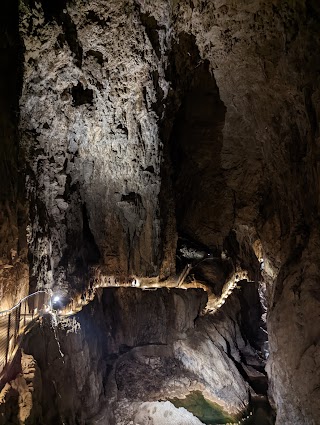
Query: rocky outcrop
<point>159,413</point>
<point>295,369</point>
<point>100,114</point>
<point>130,347</point>
<point>20,399</point>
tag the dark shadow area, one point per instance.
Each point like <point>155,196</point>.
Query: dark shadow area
<point>81,96</point>
<point>91,250</point>
<point>254,328</point>
<point>193,182</point>
<point>11,57</point>
<point>196,143</point>
<point>151,27</point>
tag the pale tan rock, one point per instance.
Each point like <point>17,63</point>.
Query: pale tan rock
<point>161,413</point>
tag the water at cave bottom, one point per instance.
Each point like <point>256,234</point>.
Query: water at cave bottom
<point>207,412</point>
<point>212,414</point>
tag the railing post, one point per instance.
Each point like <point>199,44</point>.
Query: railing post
<point>25,312</point>
<point>8,338</point>
<point>14,320</point>
<point>17,324</point>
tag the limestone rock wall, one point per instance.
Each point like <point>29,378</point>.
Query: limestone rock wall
<point>263,56</point>
<point>126,348</point>
<point>20,399</point>
<point>13,208</point>
<point>89,127</point>
<point>113,87</point>
<point>294,336</point>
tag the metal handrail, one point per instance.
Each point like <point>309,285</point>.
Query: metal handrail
<point>2,313</point>
<point>13,323</point>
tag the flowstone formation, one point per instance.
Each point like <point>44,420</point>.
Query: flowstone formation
<point>163,143</point>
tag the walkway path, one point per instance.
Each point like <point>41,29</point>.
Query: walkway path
<point>14,322</point>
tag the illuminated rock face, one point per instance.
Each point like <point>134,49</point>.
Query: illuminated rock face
<point>91,137</point>
<point>126,348</point>
<point>141,122</point>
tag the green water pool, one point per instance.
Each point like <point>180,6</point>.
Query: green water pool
<point>211,414</point>
<point>207,412</point>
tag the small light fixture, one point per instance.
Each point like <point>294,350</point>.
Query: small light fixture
<point>56,298</point>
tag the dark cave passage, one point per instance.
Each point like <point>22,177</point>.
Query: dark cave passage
<point>196,143</point>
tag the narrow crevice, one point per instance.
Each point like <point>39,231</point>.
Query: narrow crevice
<point>151,26</point>
<point>92,253</point>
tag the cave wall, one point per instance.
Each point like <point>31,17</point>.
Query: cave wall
<point>125,348</point>
<point>100,98</point>
<point>263,56</point>
<point>89,127</point>
<point>13,208</point>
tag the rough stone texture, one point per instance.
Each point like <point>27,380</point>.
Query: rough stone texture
<point>20,399</point>
<point>293,324</point>
<point>108,372</point>
<point>227,95</point>
<point>152,413</point>
<point>264,60</point>
<point>13,247</point>
<point>158,413</point>
<point>93,142</point>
